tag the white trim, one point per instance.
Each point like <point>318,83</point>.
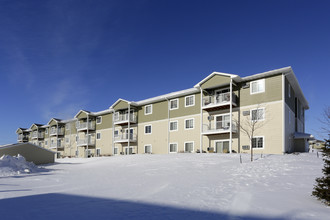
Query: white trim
<point>258,81</point>
<point>185,128</point>
<point>169,147</point>
<point>185,101</point>
<point>146,145</point>
<point>264,113</point>
<point>177,107</point>
<point>177,125</point>
<point>99,134</point>
<point>184,146</point>
<point>145,109</point>
<point>150,129</point>
<point>283,114</point>
<point>263,142</point>
<point>221,140</point>
<point>100,120</point>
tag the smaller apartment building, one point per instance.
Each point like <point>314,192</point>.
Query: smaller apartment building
<point>206,118</point>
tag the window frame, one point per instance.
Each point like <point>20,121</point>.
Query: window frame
<point>147,145</point>
<point>177,125</point>
<point>150,129</point>
<point>169,148</point>
<point>177,104</point>
<point>145,109</point>
<point>98,136</point>
<point>263,142</point>
<point>185,101</point>
<point>193,146</point>
<point>193,124</point>
<point>257,81</point>
<point>263,109</point>
<point>98,117</point>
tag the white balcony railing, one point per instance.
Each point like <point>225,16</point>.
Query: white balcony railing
<point>22,138</point>
<point>124,138</point>
<point>36,135</point>
<point>124,118</point>
<point>84,141</point>
<point>57,145</point>
<point>219,127</point>
<point>59,131</point>
<point>218,100</point>
<point>85,125</point>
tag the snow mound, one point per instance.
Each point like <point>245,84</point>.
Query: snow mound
<point>10,165</point>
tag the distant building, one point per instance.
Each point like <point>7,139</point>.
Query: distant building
<point>202,118</point>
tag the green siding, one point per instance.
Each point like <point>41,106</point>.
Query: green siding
<point>273,92</point>
<point>106,122</point>
<point>159,112</point>
<point>52,123</point>
<point>216,81</point>
<point>183,111</point>
<point>121,105</point>
<point>82,115</point>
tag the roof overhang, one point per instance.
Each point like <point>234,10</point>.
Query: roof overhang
<point>301,135</point>
<point>235,78</point>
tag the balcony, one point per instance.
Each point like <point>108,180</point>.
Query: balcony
<point>85,125</point>
<point>123,119</point>
<point>22,138</point>
<point>36,135</point>
<point>218,101</point>
<point>123,138</point>
<point>54,132</point>
<point>57,145</point>
<point>85,141</point>
<point>219,128</point>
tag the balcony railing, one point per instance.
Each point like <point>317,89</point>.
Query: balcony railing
<point>219,127</point>
<point>218,100</point>
<point>57,145</point>
<point>21,138</point>
<point>84,141</point>
<point>85,126</point>
<point>124,118</point>
<point>37,135</point>
<point>124,138</point>
<point>59,131</point>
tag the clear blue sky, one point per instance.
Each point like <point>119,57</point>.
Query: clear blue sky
<point>60,56</point>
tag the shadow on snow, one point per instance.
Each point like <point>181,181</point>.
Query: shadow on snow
<point>64,206</point>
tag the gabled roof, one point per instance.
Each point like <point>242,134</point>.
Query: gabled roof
<point>233,76</point>
<point>22,129</point>
<point>122,100</point>
<point>54,119</point>
<point>87,112</point>
<point>38,125</point>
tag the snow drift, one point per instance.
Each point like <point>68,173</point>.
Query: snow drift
<point>10,166</point>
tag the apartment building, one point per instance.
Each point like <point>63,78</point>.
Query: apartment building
<point>211,117</point>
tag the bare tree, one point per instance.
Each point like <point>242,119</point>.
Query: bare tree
<point>325,120</point>
<point>251,123</point>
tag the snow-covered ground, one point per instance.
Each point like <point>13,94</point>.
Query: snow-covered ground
<point>176,186</point>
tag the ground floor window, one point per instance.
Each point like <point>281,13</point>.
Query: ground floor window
<point>189,147</point>
<point>98,152</point>
<point>147,149</point>
<point>128,150</point>
<point>222,146</point>
<point>258,142</point>
<point>173,147</point>
<point>115,150</point>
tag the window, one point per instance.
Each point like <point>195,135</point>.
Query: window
<point>147,129</point>
<point>189,147</point>
<point>189,123</point>
<point>46,131</point>
<point>173,147</point>
<point>67,126</point>
<point>257,86</point>
<point>174,104</point>
<point>67,140</point>
<point>189,101</point>
<point>148,109</point>
<point>98,136</point>
<point>98,152</point>
<point>116,133</point>
<point>46,143</point>
<point>115,150</point>
<point>147,149</point>
<point>258,142</point>
<point>258,114</point>
<point>173,125</point>
<point>99,120</point>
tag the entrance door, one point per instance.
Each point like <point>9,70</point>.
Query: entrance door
<point>222,146</point>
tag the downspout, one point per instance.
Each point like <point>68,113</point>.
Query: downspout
<point>129,127</point>
<point>230,116</point>
<point>201,121</point>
